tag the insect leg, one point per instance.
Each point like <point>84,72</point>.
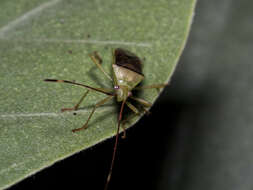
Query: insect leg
<point>132,107</point>
<point>78,104</point>
<point>115,146</point>
<point>93,110</point>
<point>97,60</point>
<point>102,90</point>
<point>124,123</point>
<point>143,102</point>
<point>135,110</point>
<point>157,86</point>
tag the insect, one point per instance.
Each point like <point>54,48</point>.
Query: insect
<point>127,74</point>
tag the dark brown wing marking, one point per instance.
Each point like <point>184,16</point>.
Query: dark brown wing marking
<point>128,60</point>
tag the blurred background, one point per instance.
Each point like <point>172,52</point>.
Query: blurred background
<point>199,135</point>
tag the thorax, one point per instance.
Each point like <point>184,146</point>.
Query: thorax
<point>124,81</point>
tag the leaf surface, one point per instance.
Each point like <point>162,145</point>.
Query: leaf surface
<point>52,39</point>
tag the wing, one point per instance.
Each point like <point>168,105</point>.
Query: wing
<point>128,60</point>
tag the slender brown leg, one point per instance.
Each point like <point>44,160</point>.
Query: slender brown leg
<point>127,120</point>
<point>97,60</point>
<point>142,101</point>
<point>124,123</point>
<point>115,146</point>
<point>132,107</point>
<point>102,90</point>
<point>157,86</point>
<point>144,104</point>
<point>135,110</point>
<point>147,112</point>
<point>93,110</point>
<point>77,105</point>
<point>97,56</point>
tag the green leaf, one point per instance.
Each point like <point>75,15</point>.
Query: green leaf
<point>52,39</point>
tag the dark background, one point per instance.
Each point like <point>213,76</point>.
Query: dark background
<point>199,135</point>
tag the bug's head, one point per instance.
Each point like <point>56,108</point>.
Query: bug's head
<point>122,92</point>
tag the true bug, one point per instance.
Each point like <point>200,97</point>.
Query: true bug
<point>127,74</point>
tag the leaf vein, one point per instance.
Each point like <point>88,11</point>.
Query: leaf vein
<point>4,30</point>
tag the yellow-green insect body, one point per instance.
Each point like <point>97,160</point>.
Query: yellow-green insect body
<point>127,73</point>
